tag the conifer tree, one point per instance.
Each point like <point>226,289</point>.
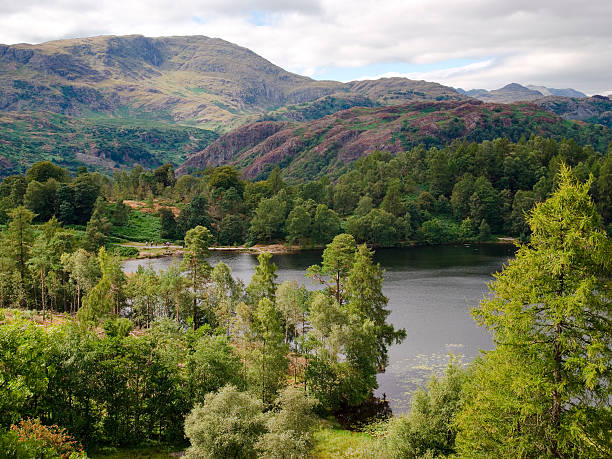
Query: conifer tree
<point>545,390</point>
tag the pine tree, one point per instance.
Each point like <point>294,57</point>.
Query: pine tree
<point>545,390</point>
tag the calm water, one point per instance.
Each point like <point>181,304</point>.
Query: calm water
<point>431,291</point>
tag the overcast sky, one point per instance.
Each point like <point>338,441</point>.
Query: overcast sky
<point>462,43</point>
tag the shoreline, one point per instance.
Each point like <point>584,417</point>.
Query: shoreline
<point>161,251</point>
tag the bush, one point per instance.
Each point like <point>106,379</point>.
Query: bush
<point>32,439</point>
<point>122,251</point>
<point>227,424</point>
<point>290,426</point>
<point>427,430</point>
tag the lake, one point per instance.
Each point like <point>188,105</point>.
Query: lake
<point>431,291</point>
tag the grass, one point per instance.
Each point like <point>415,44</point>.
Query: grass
<point>141,227</point>
<point>331,441</point>
<point>137,453</point>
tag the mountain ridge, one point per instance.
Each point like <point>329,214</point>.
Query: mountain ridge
<point>515,92</point>
<point>197,80</point>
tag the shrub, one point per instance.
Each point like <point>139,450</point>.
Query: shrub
<point>227,424</point>
<point>428,430</point>
<point>30,438</point>
<point>290,426</point>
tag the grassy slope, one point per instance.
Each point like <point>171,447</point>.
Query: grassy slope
<point>141,227</point>
<point>103,144</point>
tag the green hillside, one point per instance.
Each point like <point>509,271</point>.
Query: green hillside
<point>103,144</point>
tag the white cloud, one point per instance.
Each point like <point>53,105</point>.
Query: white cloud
<point>559,43</point>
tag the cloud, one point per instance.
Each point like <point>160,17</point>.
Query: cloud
<point>558,43</point>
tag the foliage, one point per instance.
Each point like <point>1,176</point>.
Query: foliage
<point>289,427</point>
<point>545,389</point>
<point>227,424</point>
<point>30,438</point>
<point>427,430</point>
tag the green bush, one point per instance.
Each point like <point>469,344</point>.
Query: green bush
<point>427,430</point>
<point>122,251</point>
<point>227,424</point>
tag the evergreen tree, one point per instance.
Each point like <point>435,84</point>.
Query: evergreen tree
<point>121,214</point>
<point>338,259</point>
<point>197,243</point>
<point>99,227</point>
<point>545,390</point>
<point>263,282</point>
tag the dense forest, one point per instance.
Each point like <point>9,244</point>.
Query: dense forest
<point>247,371</point>
<point>460,193</point>
<point>92,357</point>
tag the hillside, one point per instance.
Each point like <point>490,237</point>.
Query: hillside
<point>326,145</point>
<point>27,137</point>
<point>515,92</point>
<point>596,109</point>
<point>195,80</point>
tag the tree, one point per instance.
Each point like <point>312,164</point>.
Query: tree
<point>84,272</point>
<point>168,224</point>
<point>298,227</point>
<point>337,261</point>
<point>325,225</point>
<point>290,427</point>
<point>45,170</point>
<point>195,213</point>
<point>121,214</point>
<point>392,201</point>
<point>263,282</point>
<point>604,188</point>
<point>226,177</point>
<point>64,197</point>
<point>226,425</point>
<point>197,243</point>
<point>270,356</point>
<point>98,227</point>
<point>484,231</point>
<point>45,255</point>
<point>269,218</point>
<point>86,191</point>
<point>232,230</point>
<point>107,297</point>
<point>212,364</point>
<point>18,244</point>
<point>427,430</point>
<point>366,300</point>
<point>545,390</point>
<point>40,199</point>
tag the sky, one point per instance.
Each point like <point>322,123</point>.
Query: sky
<point>461,43</point>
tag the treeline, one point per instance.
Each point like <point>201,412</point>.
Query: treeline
<point>198,329</point>
<point>460,193</point>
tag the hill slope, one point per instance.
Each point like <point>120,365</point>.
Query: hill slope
<point>326,145</point>
<point>196,80</point>
<point>104,145</point>
<point>596,109</point>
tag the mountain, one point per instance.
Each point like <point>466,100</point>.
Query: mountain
<point>195,80</point>
<point>567,92</point>
<point>515,92</point>
<point>596,109</point>
<point>326,145</point>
